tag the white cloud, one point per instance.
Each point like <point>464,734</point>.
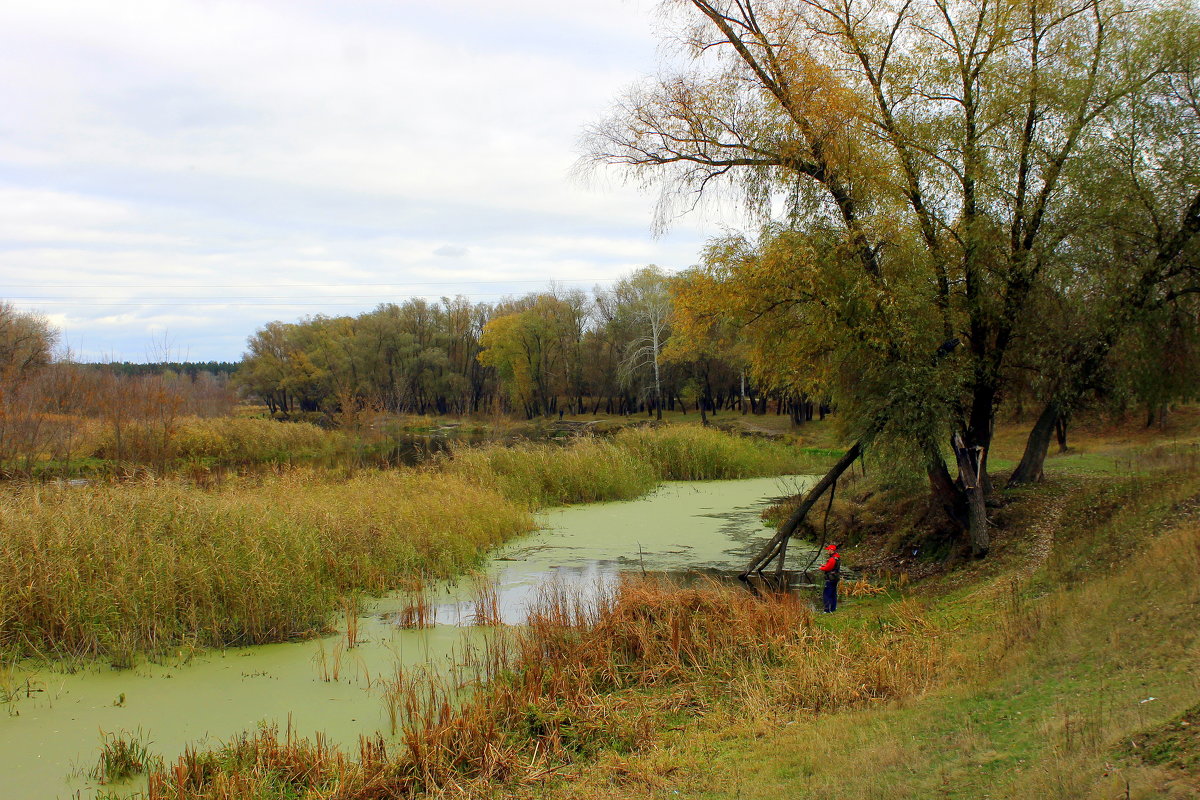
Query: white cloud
<point>208,143</point>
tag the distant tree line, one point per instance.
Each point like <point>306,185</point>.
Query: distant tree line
<point>55,409</point>
<point>545,353</point>
<point>192,369</point>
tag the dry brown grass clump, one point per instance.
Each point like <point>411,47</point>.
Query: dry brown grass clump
<point>581,679</point>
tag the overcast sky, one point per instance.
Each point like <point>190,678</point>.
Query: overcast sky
<point>176,173</point>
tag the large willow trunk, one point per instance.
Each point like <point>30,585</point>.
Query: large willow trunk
<point>1033,460</point>
<point>970,471</point>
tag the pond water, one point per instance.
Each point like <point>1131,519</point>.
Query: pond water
<point>50,735</point>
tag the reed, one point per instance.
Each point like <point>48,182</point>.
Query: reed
<point>485,602</point>
<point>690,453</point>
<point>118,570</point>
<point>114,570</point>
<point>223,440</point>
<point>588,470</point>
<point>581,678</point>
<point>123,755</point>
<point>417,611</point>
<point>542,474</point>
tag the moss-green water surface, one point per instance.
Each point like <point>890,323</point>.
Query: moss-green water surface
<point>50,733</point>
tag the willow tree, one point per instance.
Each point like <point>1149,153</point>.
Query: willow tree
<point>643,307</point>
<point>924,148</point>
<point>1124,285</point>
<point>530,351</point>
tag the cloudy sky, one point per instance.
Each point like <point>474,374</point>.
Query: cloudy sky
<point>176,173</point>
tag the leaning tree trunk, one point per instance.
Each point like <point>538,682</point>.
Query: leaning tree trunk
<point>1033,460</point>
<point>778,544</point>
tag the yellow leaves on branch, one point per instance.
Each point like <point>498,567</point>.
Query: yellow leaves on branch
<point>763,301</point>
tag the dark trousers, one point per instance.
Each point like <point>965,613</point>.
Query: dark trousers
<point>830,596</point>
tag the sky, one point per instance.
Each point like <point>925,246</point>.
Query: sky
<point>174,174</point>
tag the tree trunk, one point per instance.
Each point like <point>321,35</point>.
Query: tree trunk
<point>969,461</point>
<point>1034,458</point>
<point>946,494</point>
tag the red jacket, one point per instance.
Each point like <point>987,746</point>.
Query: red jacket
<point>831,564</point>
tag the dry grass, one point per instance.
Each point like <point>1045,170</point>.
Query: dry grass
<point>224,440</point>
<point>579,680</point>
<point>115,569</point>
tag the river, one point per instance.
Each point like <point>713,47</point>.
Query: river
<point>50,735</point>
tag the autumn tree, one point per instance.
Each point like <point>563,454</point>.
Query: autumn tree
<point>526,347</point>
<point>926,151</point>
<point>642,304</point>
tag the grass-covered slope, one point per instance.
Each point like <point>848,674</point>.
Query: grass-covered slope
<point>1076,650</point>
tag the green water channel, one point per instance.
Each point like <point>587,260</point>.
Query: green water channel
<point>50,733</point>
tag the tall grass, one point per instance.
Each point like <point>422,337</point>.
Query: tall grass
<point>110,570</point>
<point>690,453</point>
<point>578,680</point>
<point>226,440</point>
<point>623,467</point>
<point>543,474</point>
<point>113,569</point>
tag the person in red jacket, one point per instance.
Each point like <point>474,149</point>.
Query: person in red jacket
<point>833,573</point>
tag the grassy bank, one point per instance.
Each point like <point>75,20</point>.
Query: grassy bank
<point>1081,647</point>
<point>114,569</point>
<point>576,683</point>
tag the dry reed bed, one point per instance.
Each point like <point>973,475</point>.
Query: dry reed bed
<point>692,453</point>
<point>110,570</point>
<point>226,440</point>
<point>114,569</point>
<point>577,680</point>
<point>623,467</point>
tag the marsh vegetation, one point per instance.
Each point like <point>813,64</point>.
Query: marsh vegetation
<point>113,569</point>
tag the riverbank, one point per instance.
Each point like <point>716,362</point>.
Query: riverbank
<point>1076,645</point>
<point>1061,667</point>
